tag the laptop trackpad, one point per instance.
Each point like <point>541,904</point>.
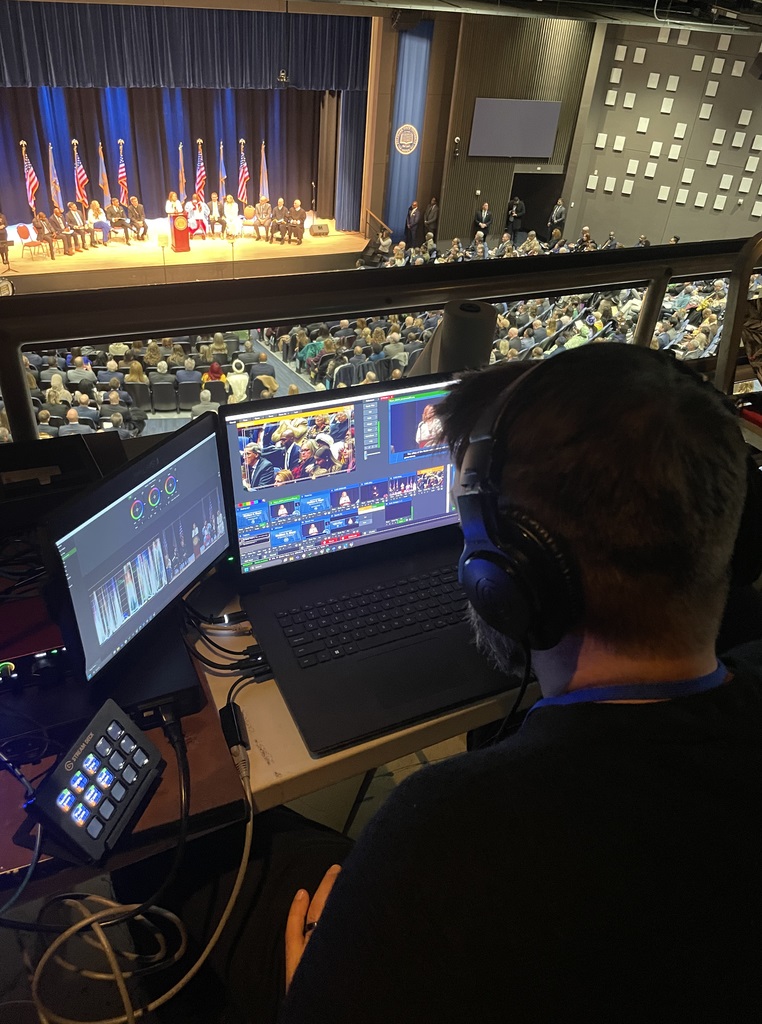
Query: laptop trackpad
<point>414,672</point>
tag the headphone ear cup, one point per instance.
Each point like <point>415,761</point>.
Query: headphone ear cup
<point>491,586</point>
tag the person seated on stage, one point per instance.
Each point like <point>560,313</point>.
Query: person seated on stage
<point>173,204</point>
<point>296,218</point>
<point>44,232</point>
<point>137,215</point>
<point>264,213</point>
<point>97,219</point>
<point>79,227</point>
<point>198,215</point>
<point>62,230</point>
<point>232,217</point>
<point>216,213</point>
<point>117,218</point>
<point>189,374</point>
<point>215,373</point>
<point>279,222</point>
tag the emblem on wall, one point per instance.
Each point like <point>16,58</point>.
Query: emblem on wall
<point>406,139</point>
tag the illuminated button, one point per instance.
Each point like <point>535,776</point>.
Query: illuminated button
<point>107,809</point>
<point>116,761</point>
<point>95,828</point>
<point>128,744</point>
<point>105,778</point>
<point>129,774</point>
<point>115,731</point>
<point>118,791</point>
<point>103,747</point>
<point>91,764</point>
<point>140,758</point>
<point>93,796</point>
<point>78,782</point>
<point>79,815</point>
<point>66,800</point>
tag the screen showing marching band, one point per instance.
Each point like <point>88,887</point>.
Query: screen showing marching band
<point>326,477</point>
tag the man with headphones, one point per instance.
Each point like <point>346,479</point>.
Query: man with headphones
<point>601,862</point>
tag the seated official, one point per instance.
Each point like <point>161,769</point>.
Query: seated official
<point>264,212</point>
<point>623,802</point>
<point>117,218</point>
<point>216,213</point>
<point>232,217</point>
<point>173,204</point>
<point>96,218</point>
<point>61,230</point>
<point>44,232</point>
<point>79,226</point>
<point>137,216</point>
<point>296,218</point>
<point>279,222</point>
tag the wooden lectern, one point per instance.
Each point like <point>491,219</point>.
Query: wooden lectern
<point>180,236</point>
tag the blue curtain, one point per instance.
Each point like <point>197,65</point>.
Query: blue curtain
<point>92,45</point>
<point>409,109</point>
<point>350,160</point>
<point>152,123</point>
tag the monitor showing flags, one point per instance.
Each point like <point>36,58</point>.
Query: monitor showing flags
<point>55,185</point>
<point>243,179</point>
<point>103,177</point>
<point>200,174</point>
<point>264,184</point>
<point>124,194</point>
<point>181,193</point>
<point>32,184</point>
<point>80,179</point>
<point>223,173</point>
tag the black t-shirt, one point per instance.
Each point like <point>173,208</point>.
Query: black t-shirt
<point>601,865</point>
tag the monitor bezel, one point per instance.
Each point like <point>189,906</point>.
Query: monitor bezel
<point>80,509</point>
<point>338,560</point>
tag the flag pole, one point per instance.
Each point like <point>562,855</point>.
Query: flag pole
<point>22,143</point>
<point>242,143</point>
<point>83,202</point>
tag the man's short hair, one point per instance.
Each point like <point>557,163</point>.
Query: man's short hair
<point>638,469</point>
<point>190,364</point>
<point>117,420</point>
<point>205,396</point>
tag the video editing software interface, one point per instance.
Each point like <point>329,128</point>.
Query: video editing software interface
<point>131,559</point>
<point>326,477</point>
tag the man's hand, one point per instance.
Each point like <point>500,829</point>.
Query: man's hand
<point>302,920</point>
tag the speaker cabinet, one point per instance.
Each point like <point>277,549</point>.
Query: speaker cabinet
<point>318,230</point>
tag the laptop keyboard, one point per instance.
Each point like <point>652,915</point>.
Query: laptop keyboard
<point>360,620</point>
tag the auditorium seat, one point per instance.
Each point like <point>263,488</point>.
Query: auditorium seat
<point>34,246</point>
<point>188,394</point>
<point>164,396</point>
<point>140,394</point>
<point>218,392</point>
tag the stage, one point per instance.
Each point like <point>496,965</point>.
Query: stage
<point>120,266</point>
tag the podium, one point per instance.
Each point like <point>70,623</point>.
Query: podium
<point>179,233</point>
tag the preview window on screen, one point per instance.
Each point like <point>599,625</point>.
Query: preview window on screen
<point>515,128</point>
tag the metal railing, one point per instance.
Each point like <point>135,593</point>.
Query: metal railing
<point>373,225</point>
<point>45,321</point>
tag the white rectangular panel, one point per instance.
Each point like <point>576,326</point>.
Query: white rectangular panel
<point>706,111</point>
<point>609,184</point>
<point>745,185</point>
<point>663,195</point>
<point>656,148</point>
<point>756,210</point>
<point>592,182</point>
<point>600,140</point>
<point>627,188</point>
<point>752,164</point>
<point>639,56</point>
<point>719,136</point>
<point>663,36</point>
<point>723,43</point>
<point>611,96</point>
<point>650,171</point>
<point>666,105</point>
<point>681,196</point>
<point>738,139</point>
<point>680,129</point>
<point>739,66</point>
<point>629,100</point>
<point>757,143</point>
<point>711,88</point>
<point>712,157</point>
<point>719,202</point>
<point>672,83</point>
<point>698,62</point>
<point>653,80</point>
<point>700,200</point>
<point>643,123</point>
<point>674,152</point>
<point>687,177</point>
<point>726,181</point>
<point>632,166</point>
<point>616,76</point>
<point>683,37</point>
<point>619,143</point>
<point>620,53</point>
<point>744,117</point>
<point>718,65</point>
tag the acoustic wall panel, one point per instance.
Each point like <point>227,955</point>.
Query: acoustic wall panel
<point>653,80</point>
<point>616,76</point>
<point>639,56</point>
<point>698,62</point>
<point>711,88</point>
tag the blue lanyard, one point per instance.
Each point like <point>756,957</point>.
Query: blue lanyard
<point>638,691</point>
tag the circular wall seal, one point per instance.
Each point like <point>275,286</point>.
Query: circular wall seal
<point>406,139</point>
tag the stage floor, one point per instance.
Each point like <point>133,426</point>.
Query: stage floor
<point>118,265</point>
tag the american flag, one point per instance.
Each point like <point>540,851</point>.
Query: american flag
<point>124,195</point>
<point>200,175</point>
<point>80,179</point>
<point>32,184</point>
<point>243,179</point>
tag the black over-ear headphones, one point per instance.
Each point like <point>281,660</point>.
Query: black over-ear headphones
<point>513,571</point>
<point>516,574</point>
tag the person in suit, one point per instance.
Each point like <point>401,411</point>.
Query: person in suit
<point>79,227</point>
<point>256,471</point>
<point>205,404</point>
<point>44,428</point>
<point>516,212</point>
<point>117,217</point>
<point>290,448</point>
<point>4,239</point>
<point>279,222</point>
<point>412,224</point>
<point>483,220</point>
<point>431,217</point>
<point>61,230</point>
<point>44,232</point>
<point>263,212</point>
<point>118,424</point>
<point>137,216</point>
<point>86,411</point>
<point>296,218</point>
<point>557,217</point>
<point>262,366</point>
<point>73,425</point>
<point>503,248</point>
<point>189,374</point>
<point>162,375</point>
<point>216,213</point>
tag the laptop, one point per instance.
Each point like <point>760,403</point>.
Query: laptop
<point>121,555</point>
<point>345,542</point>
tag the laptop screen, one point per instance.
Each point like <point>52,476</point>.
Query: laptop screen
<point>351,469</point>
<point>139,539</point>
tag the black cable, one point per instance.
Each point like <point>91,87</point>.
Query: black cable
<point>174,734</point>
<point>510,719</point>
